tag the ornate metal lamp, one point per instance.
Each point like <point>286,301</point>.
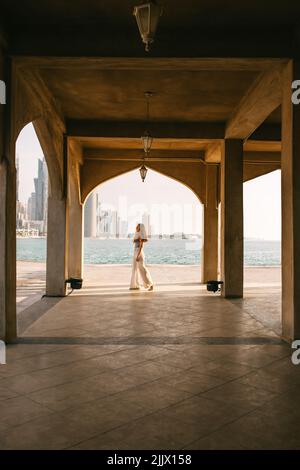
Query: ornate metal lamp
<point>143,172</point>
<point>147,16</point>
<point>147,138</point>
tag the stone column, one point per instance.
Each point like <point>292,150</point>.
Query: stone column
<point>57,249</point>
<point>75,240</point>
<point>8,321</point>
<point>232,252</point>
<point>210,229</point>
<point>75,261</point>
<point>290,171</point>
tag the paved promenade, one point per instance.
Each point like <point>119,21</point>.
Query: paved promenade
<point>177,368</point>
<point>263,283</point>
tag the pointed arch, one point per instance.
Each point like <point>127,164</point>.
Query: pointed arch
<point>96,172</point>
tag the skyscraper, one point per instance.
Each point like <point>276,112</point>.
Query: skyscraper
<point>123,228</point>
<point>20,209</point>
<point>115,224</point>
<point>39,191</point>
<point>37,205</point>
<point>90,216</point>
<point>31,207</point>
<point>146,222</point>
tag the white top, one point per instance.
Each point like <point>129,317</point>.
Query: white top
<point>137,239</point>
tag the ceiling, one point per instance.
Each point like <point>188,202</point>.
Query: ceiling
<point>103,103</point>
<point>119,95</point>
<point>84,90</point>
<point>275,117</point>
<point>132,144</point>
<point>186,14</point>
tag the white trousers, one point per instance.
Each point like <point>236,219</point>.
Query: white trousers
<point>139,268</point>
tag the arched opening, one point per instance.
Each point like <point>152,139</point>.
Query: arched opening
<point>262,247</point>
<point>172,215</point>
<point>31,219</point>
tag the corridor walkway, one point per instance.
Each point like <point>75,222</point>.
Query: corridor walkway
<point>106,368</point>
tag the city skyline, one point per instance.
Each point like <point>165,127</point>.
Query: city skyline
<point>32,215</point>
<point>262,215</point>
<point>104,221</point>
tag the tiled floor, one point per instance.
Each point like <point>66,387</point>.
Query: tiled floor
<point>177,368</point>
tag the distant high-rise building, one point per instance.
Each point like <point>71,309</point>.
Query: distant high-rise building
<point>37,206</point>
<point>146,222</point>
<point>39,191</point>
<point>115,224</point>
<point>20,209</point>
<point>123,228</point>
<point>31,207</point>
<point>107,222</point>
<point>103,226</point>
<point>90,216</point>
<point>21,215</point>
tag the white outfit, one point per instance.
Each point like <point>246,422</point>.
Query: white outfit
<point>138,267</point>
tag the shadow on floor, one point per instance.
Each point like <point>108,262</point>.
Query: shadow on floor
<point>150,340</point>
<point>31,314</point>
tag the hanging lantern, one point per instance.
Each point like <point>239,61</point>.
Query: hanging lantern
<point>147,17</point>
<point>147,140</point>
<point>143,172</point>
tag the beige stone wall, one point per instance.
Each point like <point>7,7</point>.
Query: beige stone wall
<point>254,171</point>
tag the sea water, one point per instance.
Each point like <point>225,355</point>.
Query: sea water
<point>164,251</point>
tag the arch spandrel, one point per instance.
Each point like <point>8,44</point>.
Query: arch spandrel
<point>94,173</point>
<point>28,108</point>
<point>191,175</point>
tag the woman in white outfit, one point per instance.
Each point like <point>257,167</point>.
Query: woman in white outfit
<point>138,265</point>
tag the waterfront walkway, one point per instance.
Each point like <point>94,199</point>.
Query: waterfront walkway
<point>261,283</point>
<point>106,368</point>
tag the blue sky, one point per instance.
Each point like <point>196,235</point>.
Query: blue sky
<point>262,213</point>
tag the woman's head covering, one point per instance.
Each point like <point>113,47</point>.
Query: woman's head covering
<point>143,232</point>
